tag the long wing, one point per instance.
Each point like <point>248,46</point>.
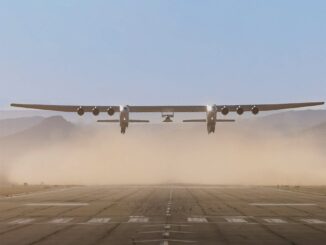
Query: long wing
<point>88,108</point>
<point>203,108</point>
<point>270,107</point>
<point>66,108</point>
<point>172,108</point>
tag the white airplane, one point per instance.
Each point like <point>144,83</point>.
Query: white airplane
<point>168,111</point>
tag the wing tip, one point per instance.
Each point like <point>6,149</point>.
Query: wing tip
<point>20,105</point>
<point>14,105</point>
<point>317,103</point>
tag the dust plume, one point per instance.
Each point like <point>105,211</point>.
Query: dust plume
<point>173,154</point>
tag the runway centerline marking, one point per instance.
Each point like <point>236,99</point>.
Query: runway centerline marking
<point>283,204</point>
<point>236,220</point>
<point>170,195</point>
<point>138,219</point>
<point>99,220</point>
<point>276,221</point>
<point>313,221</point>
<point>164,241</point>
<point>57,204</point>
<point>21,221</point>
<point>61,220</point>
<point>197,219</point>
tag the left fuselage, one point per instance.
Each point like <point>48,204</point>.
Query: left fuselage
<point>124,118</point>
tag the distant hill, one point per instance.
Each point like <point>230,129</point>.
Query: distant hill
<point>15,125</point>
<point>72,117</point>
<point>47,131</point>
<point>16,113</point>
<point>289,121</point>
<point>49,128</point>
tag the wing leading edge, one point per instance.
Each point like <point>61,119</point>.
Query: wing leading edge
<point>162,109</point>
<point>167,111</point>
<point>65,108</point>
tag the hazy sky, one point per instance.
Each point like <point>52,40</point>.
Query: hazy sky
<point>162,52</point>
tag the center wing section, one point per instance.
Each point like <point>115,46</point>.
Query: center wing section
<point>171,108</point>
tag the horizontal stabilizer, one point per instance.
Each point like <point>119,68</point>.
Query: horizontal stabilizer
<point>195,120</point>
<point>131,121</point>
<point>109,121</point>
<point>139,121</point>
<point>204,120</point>
<point>225,120</point>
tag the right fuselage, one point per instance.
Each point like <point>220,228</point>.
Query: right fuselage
<point>211,118</point>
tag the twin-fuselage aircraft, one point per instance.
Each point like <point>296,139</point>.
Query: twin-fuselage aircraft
<point>167,112</point>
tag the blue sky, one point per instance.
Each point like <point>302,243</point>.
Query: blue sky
<point>162,52</point>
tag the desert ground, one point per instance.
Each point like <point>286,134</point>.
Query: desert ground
<point>258,181</point>
<point>165,214</point>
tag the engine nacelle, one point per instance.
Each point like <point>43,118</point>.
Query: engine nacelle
<point>95,111</point>
<point>225,110</point>
<point>80,111</point>
<point>240,110</point>
<point>255,110</point>
<point>110,111</point>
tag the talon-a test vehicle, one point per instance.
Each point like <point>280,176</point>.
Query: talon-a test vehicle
<point>168,111</point>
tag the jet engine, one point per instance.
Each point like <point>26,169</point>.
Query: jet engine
<point>240,110</point>
<point>95,111</point>
<point>255,110</point>
<point>110,111</point>
<point>225,110</point>
<point>80,111</point>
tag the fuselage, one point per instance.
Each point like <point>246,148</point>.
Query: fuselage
<point>211,118</point>
<point>124,118</point>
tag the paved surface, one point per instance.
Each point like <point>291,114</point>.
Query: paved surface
<point>164,215</point>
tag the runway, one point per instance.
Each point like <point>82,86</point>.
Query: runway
<point>164,215</point>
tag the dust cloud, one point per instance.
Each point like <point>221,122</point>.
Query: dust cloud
<point>163,154</point>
